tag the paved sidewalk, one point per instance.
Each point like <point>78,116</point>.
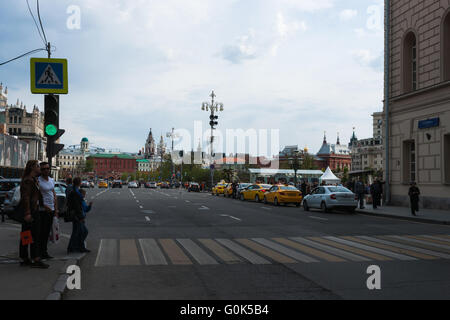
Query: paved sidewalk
<point>26,283</point>
<point>424,215</point>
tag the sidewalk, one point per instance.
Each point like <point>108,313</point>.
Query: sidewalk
<point>424,215</point>
<point>26,283</point>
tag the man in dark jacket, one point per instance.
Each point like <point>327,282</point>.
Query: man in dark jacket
<point>375,191</point>
<point>360,191</point>
<point>75,206</point>
<point>414,193</point>
<point>303,189</point>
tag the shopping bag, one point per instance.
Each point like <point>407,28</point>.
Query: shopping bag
<point>26,238</point>
<point>54,231</point>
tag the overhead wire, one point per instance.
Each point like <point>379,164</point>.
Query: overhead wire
<point>35,22</point>
<point>23,55</point>
<point>40,21</point>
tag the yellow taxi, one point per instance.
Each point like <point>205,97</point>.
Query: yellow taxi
<point>103,184</point>
<point>219,188</point>
<point>228,192</point>
<point>283,194</point>
<point>255,192</point>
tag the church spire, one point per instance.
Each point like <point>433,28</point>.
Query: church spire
<point>338,142</point>
<point>324,137</point>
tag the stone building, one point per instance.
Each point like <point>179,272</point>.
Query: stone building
<point>367,154</point>
<point>26,126</point>
<point>336,156</point>
<point>419,100</point>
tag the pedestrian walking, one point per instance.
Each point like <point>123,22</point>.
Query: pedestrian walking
<point>303,189</point>
<point>414,193</point>
<point>75,209</point>
<point>49,209</point>
<point>30,200</point>
<point>83,229</point>
<point>360,191</point>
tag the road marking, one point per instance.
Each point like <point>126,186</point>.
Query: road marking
<point>137,201</point>
<point>372,249</point>
<point>241,251</point>
<point>335,251</point>
<point>351,249</point>
<point>203,208</point>
<point>148,211</point>
<point>141,207</point>
<point>432,240</point>
<point>220,251</point>
<point>107,253</point>
<point>316,253</point>
<point>265,208</point>
<point>318,218</point>
<point>176,255</point>
<point>147,218</point>
<point>406,246</point>
<point>391,248</point>
<point>187,201</point>
<point>225,215</point>
<point>198,253</point>
<point>129,255</point>
<point>265,251</point>
<point>151,252</point>
<point>446,240</point>
<point>419,243</point>
<point>172,207</point>
<point>286,251</point>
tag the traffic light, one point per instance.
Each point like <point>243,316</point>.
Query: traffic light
<point>213,123</point>
<point>181,153</point>
<point>51,125</point>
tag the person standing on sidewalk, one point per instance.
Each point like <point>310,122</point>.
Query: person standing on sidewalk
<point>49,208</point>
<point>414,193</point>
<point>83,229</point>
<point>75,205</point>
<point>375,191</point>
<point>360,191</point>
<point>30,199</point>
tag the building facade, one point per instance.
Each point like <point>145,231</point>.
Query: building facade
<point>27,126</point>
<point>144,165</point>
<point>367,154</point>
<point>419,101</point>
<point>336,156</point>
<point>109,165</point>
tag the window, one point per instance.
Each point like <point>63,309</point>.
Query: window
<point>410,63</point>
<point>20,130</point>
<point>446,48</point>
<point>447,158</point>
<point>409,161</point>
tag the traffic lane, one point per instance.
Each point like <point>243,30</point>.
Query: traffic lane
<point>292,219</point>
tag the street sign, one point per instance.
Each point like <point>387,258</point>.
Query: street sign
<point>49,76</point>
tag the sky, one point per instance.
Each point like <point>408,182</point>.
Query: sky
<point>298,66</point>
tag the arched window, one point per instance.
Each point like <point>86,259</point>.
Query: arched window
<point>409,63</point>
<point>446,48</point>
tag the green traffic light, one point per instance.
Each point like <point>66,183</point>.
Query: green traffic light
<point>51,130</point>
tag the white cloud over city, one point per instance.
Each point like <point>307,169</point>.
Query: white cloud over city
<point>294,65</point>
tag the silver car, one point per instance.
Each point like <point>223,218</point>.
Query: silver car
<point>328,198</point>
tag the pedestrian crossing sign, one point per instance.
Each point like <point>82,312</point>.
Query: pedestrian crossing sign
<point>49,76</point>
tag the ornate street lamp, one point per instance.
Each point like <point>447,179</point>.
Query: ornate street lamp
<point>295,163</point>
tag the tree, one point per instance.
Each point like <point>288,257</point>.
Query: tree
<point>308,162</point>
<point>89,166</point>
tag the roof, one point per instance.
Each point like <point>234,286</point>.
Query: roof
<point>338,149</point>
<point>285,171</point>
<point>329,176</point>
<point>143,160</point>
<point>111,155</point>
<point>84,140</point>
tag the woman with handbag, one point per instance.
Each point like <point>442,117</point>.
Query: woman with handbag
<point>30,200</point>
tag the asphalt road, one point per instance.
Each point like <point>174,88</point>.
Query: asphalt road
<point>171,244</point>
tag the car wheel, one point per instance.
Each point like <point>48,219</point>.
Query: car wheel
<point>352,210</point>
<point>297,204</point>
<point>305,205</point>
<point>242,197</point>
<point>323,207</point>
<point>275,202</point>
<point>257,199</point>
<point>265,200</point>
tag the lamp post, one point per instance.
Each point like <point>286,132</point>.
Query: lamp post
<point>212,107</point>
<point>295,163</point>
<point>172,135</point>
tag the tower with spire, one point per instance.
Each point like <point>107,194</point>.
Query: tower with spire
<point>150,146</point>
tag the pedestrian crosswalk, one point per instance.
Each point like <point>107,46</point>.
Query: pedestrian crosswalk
<point>261,251</point>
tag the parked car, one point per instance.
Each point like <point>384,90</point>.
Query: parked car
<point>328,198</point>
<point>7,185</point>
<point>255,192</point>
<point>132,184</point>
<point>219,188</point>
<point>13,199</point>
<point>164,185</point>
<point>151,185</point>
<point>117,184</point>
<point>284,195</point>
<point>194,186</point>
<point>85,184</point>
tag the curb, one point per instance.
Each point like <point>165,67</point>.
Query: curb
<point>60,286</point>
<point>386,215</point>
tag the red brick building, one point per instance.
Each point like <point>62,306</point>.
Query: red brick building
<point>113,165</point>
<point>335,156</point>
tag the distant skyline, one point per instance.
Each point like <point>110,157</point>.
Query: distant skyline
<point>303,67</point>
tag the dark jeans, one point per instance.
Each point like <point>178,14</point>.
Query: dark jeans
<point>46,226</point>
<point>361,197</point>
<point>376,197</point>
<point>79,235</point>
<point>414,206</point>
<point>35,228</point>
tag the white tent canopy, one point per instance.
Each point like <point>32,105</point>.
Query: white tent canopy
<point>329,177</point>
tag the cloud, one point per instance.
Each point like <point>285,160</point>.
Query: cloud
<point>243,49</point>
<point>367,59</point>
<point>308,5</point>
<point>347,14</point>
